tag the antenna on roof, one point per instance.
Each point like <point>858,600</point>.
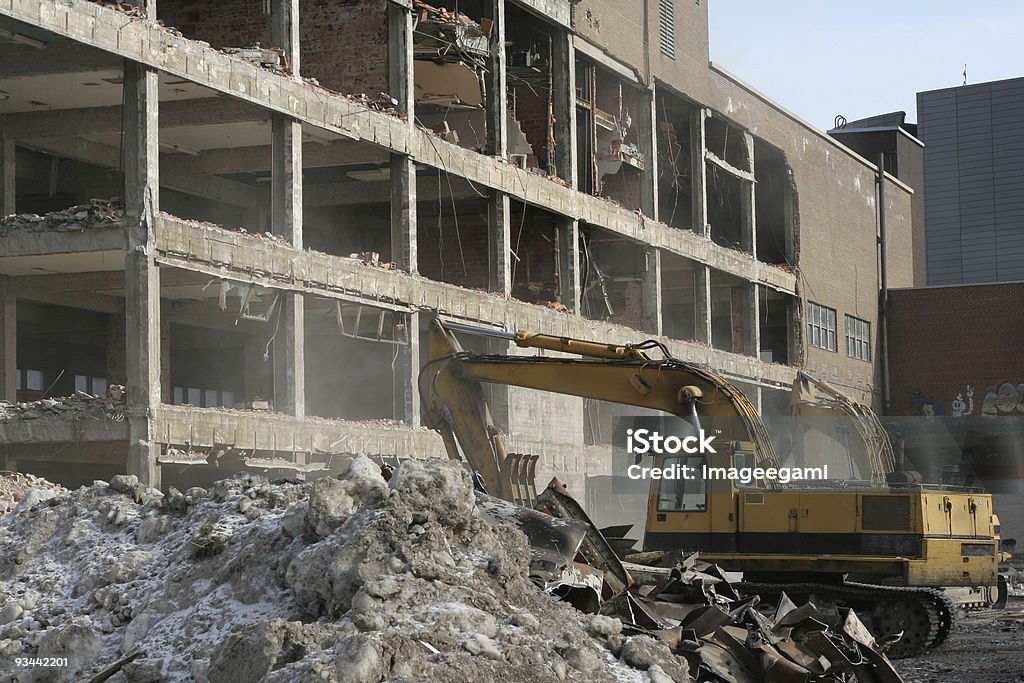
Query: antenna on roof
<point>840,121</point>
<point>965,74</point>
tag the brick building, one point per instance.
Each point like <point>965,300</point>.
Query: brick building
<point>306,184</point>
<point>958,374</point>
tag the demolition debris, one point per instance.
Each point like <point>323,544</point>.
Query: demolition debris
<point>364,579</point>
<point>98,213</point>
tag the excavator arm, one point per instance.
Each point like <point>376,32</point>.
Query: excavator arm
<point>855,425</point>
<point>453,396</point>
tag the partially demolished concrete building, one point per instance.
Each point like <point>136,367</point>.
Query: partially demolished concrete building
<point>247,213</point>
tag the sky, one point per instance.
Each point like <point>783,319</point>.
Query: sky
<point>821,59</point>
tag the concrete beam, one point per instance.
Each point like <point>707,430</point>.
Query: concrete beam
<point>101,303</point>
<point>245,258</point>
<point>98,154</point>
<point>729,168</point>
<point>142,277</point>
<point>26,62</point>
<point>173,114</point>
<point>8,343</point>
<point>289,441</point>
<point>8,171</point>
<point>356,193</point>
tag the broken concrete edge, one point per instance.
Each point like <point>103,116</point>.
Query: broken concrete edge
<point>162,49</point>
<point>218,252</point>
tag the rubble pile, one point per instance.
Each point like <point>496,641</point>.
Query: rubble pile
<point>15,486</point>
<point>352,579</point>
<point>98,213</point>
<point>79,405</point>
<point>726,639</point>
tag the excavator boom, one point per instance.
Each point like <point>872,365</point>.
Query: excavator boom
<point>454,404</point>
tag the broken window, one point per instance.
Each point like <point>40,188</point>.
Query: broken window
<point>346,199</point>
<point>676,119</point>
<point>610,161</point>
<point>732,317</point>
<point>678,297</point>
<point>777,325</point>
<point>536,266</point>
<point>358,344</point>
<point>615,273</point>
<point>775,205</point>
<point>530,82</point>
<point>821,326</point>
<point>452,230</point>
<point>451,48</point>
<point>55,346</point>
<point>729,183</point>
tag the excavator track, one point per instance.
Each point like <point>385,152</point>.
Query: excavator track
<point>925,615</point>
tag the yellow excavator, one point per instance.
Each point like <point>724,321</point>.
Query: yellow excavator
<point>902,542</point>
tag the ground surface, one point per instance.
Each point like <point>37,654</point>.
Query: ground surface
<point>987,647</point>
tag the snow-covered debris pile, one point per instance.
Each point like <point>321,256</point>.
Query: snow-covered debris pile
<point>97,213</point>
<point>352,579</point>
<point>17,486</point>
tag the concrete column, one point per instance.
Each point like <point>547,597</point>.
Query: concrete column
<point>652,293</point>
<point>142,277</point>
<point>150,9</point>
<point>8,344</point>
<point>286,220</point>
<point>406,372</point>
<point>403,213</point>
<point>7,183</point>
<point>499,230</point>
<point>647,128</point>
<point>497,92</point>
<point>401,72</point>
<point>563,61</point>
<point>750,218</point>
<point>699,172</point>
<point>499,244</point>
<point>745,323</point>
<point>569,264</point>
<point>702,303</point>
<point>754,327</point>
<point>400,56</point>
<point>403,170</point>
<point>285,32</point>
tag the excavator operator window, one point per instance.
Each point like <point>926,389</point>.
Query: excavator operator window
<point>686,492</point>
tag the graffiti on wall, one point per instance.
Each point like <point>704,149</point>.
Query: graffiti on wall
<point>960,407</point>
<point>926,405</point>
<point>1005,399</point>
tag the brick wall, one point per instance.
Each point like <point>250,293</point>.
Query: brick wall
<point>344,43</point>
<point>944,339</point>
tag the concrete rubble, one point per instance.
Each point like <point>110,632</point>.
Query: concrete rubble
<point>16,486</point>
<point>351,579</point>
<point>98,213</point>
<point>78,406</point>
